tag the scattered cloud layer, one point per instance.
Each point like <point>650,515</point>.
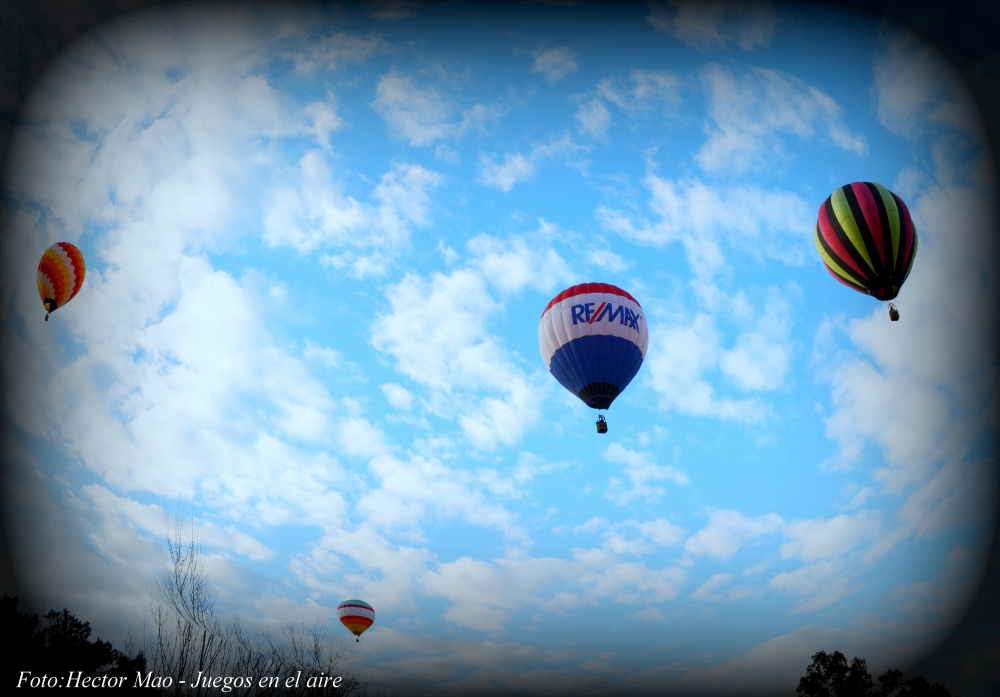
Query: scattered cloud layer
<point>708,25</point>
<point>324,347</point>
<point>555,63</point>
<point>517,167</point>
<point>751,110</point>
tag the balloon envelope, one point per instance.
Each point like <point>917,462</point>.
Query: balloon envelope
<point>866,239</point>
<point>356,615</point>
<point>593,339</point>
<point>60,275</point>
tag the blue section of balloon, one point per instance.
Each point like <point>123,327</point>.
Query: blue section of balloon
<point>596,368</point>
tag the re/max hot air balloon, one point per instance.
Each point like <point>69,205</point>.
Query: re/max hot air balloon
<point>867,241</point>
<point>60,275</point>
<point>356,615</point>
<point>593,339</point>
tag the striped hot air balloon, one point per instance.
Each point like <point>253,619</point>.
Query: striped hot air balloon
<point>866,239</point>
<point>593,339</point>
<point>356,615</point>
<point>60,275</point>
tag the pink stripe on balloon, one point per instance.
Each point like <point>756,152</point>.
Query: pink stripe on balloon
<point>906,226</point>
<point>869,209</point>
<point>840,252</point>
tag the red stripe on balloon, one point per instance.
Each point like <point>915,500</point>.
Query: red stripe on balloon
<point>842,256</point>
<point>585,288</point>
<point>356,619</point>
<point>846,283</point>
<point>869,209</point>
<point>906,224</point>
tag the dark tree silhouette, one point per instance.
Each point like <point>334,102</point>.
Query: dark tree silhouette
<point>893,685</point>
<point>829,675</point>
<point>58,644</point>
<point>191,640</point>
<point>26,644</point>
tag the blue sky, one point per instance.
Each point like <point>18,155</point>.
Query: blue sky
<point>318,245</point>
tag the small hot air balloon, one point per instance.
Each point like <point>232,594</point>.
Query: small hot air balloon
<point>593,338</point>
<point>867,241</point>
<point>60,275</point>
<point>356,615</point>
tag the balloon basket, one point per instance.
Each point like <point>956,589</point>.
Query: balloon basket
<point>602,425</point>
<point>893,313</point>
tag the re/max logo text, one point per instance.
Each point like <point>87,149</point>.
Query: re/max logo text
<point>585,313</point>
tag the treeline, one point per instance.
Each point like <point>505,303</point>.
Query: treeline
<point>57,644</point>
<point>829,675</point>
<point>189,639</point>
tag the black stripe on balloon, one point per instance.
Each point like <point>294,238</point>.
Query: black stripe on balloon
<point>901,267</point>
<point>847,269</point>
<point>866,234</point>
<point>838,230</point>
<point>883,219</point>
<point>913,255</point>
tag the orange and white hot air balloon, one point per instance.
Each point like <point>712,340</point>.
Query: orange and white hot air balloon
<point>356,615</point>
<point>60,275</point>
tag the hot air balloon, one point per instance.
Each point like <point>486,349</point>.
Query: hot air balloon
<point>867,241</point>
<point>60,275</point>
<point>356,615</point>
<point>593,339</point>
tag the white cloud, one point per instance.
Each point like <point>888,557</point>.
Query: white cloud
<point>470,376</point>
<point>593,118</point>
<point>820,538</point>
<point>705,25</point>
<point>325,120</point>
<point>728,530</point>
<point>485,594</point>
<point>398,396</point>
<point>350,562</point>
<point>311,212</point>
<point>641,471</point>
<point>173,347</point>
<point>660,532</point>
<point>608,260</point>
<point>820,584</point>
<point>648,90</point>
<point>762,355</point>
<point>322,354</point>
<point>515,263</point>
<point>517,167</point>
<point>769,223</point>
<point>420,115</point>
<point>750,110</point>
<point>916,89</point>
<point>708,589</point>
<point>335,51</point>
<point>679,357</point>
<point>592,525</point>
<point>409,491</point>
<point>416,114</point>
<point>555,63</point>
<point>153,520</point>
